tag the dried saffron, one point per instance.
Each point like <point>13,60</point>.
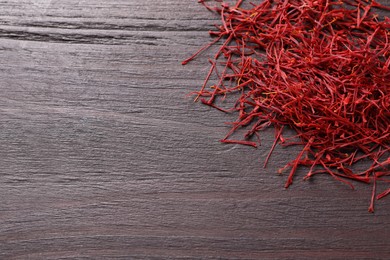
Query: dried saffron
<point>320,68</point>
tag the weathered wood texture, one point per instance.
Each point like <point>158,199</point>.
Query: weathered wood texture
<point>103,157</point>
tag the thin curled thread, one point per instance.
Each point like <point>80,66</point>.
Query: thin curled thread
<point>350,108</point>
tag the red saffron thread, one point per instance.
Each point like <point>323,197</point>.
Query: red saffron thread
<point>320,68</point>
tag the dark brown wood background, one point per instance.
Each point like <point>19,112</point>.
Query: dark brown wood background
<point>103,157</point>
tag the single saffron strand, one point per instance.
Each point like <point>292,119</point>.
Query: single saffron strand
<point>371,207</point>
<point>383,194</point>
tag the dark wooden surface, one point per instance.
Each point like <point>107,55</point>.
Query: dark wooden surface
<point>103,157</point>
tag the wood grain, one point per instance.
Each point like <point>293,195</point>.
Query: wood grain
<point>103,157</point>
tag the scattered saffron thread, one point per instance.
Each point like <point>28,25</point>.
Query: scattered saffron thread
<point>320,68</point>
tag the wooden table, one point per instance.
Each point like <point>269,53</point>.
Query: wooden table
<point>102,156</point>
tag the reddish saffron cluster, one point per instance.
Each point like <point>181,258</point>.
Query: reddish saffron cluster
<point>318,67</point>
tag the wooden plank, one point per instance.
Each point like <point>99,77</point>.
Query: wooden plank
<point>103,157</point>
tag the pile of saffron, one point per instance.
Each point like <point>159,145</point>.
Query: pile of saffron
<point>318,67</point>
